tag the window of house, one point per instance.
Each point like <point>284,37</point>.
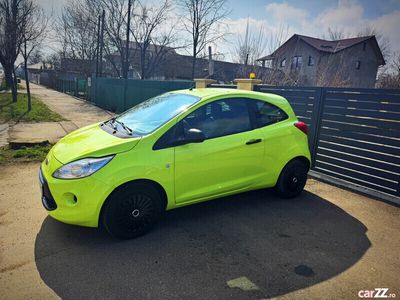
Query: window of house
<point>358,64</point>
<point>220,118</point>
<point>283,62</point>
<point>267,63</point>
<point>296,62</point>
<point>310,60</point>
<point>266,114</point>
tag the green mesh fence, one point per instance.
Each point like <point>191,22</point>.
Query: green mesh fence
<point>120,94</point>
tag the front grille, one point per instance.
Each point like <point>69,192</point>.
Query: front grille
<point>47,199</point>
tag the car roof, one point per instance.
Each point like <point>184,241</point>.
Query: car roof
<point>209,92</point>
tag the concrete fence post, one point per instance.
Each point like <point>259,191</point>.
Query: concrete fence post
<point>202,83</point>
<point>246,83</point>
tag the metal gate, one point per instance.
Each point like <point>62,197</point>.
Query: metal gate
<point>354,133</point>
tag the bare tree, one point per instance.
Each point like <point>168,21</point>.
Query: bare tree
<point>152,38</point>
<point>396,62</point>
<point>33,29</point>
<point>277,38</point>
<point>201,20</point>
<point>274,75</point>
<point>152,43</point>
<point>77,29</point>
<point>334,34</point>
<point>13,14</point>
<point>383,42</point>
<point>332,71</point>
<point>390,77</point>
<point>52,60</point>
<point>249,48</point>
<point>116,16</point>
<point>79,32</point>
<point>36,56</point>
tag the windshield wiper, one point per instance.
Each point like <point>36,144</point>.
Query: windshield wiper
<point>111,122</point>
<point>114,120</point>
<point>123,126</point>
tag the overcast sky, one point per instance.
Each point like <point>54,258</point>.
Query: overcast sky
<point>307,17</point>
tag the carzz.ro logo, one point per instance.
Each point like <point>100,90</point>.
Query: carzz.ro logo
<point>376,293</point>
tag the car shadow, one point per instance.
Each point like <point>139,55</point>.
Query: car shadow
<point>279,245</point>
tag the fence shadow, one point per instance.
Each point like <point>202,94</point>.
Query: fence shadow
<point>280,245</point>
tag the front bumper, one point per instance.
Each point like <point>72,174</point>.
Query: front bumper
<point>76,201</point>
<point>47,199</point>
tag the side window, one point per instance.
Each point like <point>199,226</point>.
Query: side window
<point>220,118</point>
<point>167,139</point>
<point>266,114</point>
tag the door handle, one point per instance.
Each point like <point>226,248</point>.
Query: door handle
<point>253,141</point>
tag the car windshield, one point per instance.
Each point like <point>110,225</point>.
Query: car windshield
<point>147,116</point>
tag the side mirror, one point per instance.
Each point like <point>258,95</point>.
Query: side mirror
<point>193,135</point>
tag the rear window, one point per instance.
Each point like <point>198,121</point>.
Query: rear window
<point>267,114</point>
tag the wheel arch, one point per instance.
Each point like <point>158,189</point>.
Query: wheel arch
<point>286,190</point>
<point>301,158</point>
<point>160,189</point>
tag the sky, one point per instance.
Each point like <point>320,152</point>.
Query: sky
<point>307,17</point>
<point>314,18</point>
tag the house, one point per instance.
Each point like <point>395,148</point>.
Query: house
<point>49,74</point>
<point>311,61</point>
<point>76,68</point>
<point>36,71</point>
<point>167,64</point>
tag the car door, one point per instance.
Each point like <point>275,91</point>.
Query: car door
<point>229,159</point>
<point>276,136</point>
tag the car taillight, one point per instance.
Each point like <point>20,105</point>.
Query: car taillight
<point>302,126</point>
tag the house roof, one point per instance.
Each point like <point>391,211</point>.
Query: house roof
<point>40,66</point>
<point>330,46</point>
<point>151,47</point>
<point>333,46</point>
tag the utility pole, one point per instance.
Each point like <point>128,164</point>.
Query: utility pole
<point>210,63</point>
<point>126,67</point>
<point>101,44</point>
<point>98,46</point>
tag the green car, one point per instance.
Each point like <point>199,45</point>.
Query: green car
<point>176,149</point>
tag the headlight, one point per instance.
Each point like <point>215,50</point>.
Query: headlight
<point>81,168</point>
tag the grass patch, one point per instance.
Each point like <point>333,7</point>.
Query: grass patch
<point>35,153</point>
<point>2,84</point>
<point>10,111</point>
<point>20,86</point>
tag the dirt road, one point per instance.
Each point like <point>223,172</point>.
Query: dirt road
<point>327,244</point>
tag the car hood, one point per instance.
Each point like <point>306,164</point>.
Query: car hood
<point>91,141</point>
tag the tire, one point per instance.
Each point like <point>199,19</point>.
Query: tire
<point>292,180</point>
<point>132,211</point>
